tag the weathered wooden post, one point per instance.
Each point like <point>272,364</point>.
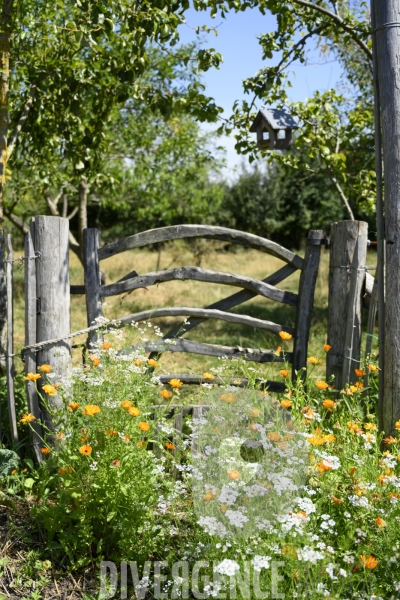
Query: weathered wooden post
<point>91,241</point>
<point>10,344</point>
<point>346,278</point>
<point>50,240</point>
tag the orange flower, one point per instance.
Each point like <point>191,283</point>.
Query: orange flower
<point>65,470</point>
<point>133,411</point>
<point>138,362</point>
<point>327,347</point>
<point>329,404</point>
<point>208,376</point>
<point>255,412</point>
<point>285,336</point>
<point>233,474</point>
<point>112,432</point>
<point>313,360</point>
<point>27,418</point>
<point>106,346</point>
<point>175,383</point>
<point>166,394</point>
<point>359,372</point>
<point>86,449</point>
<point>95,360</point>
<point>91,410</point>
<point>278,350</point>
<point>316,440</point>
<point>50,390</point>
<point>208,496</point>
<point>59,435</point>
<point>253,427</point>
<point>127,437</point>
<point>397,425</point>
<point>224,507</point>
<point>373,368</point>
<point>354,427</point>
<point>143,426</point>
<point>273,436</point>
<point>284,372</point>
<point>45,450</point>
<point>380,522</point>
<point>359,385</point>
<point>45,368</point>
<point>73,406</point>
<point>116,463</point>
<point>126,404</point>
<point>14,472</point>
<point>141,444</point>
<point>33,377</point>
<point>286,403</point>
<point>369,562</point>
<point>324,465</point>
<point>227,398</point>
<point>170,446</point>
<point>321,385</point>
<point>389,440</point>
<point>372,426</point>
<point>336,500</point>
<point>152,362</point>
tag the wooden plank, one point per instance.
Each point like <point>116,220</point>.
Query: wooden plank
<point>204,314</point>
<point>230,302</point>
<point>252,354</point>
<point>164,234</point>
<point>368,287</point>
<point>91,240</point>
<point>30,338</point>
<point>344,240</point>
<point>198,274</point>
<point>10,372</point>
<point>77,289</point>
<point>308,280</point>
<point>53,291</point>
<point>373,307</point>
<point>190,379</point>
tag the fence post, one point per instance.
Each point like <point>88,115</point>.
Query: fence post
<point>346,278</point>
<point>50,236</point>
<point>91,241</point>
<point>10,373</point>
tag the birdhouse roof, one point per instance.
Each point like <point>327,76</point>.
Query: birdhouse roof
<point>277,118</point>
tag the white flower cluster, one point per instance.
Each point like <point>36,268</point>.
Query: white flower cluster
<point>228,495</point>
<point>213,526</point>
<point>235,517</point>
<point>261,562</point>
<point>361,501</point>
<point>227,567</point>
<point>308,554</point>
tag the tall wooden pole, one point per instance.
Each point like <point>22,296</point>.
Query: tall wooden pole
<point>387,38</point>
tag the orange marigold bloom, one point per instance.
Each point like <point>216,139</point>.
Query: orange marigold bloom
<point>233,474</point>
<point>143,426</point>
<point>284,372</point>
<point>91,410</point>
<point>369,562</point>
<point>59,435</point>
<point>390,440</point>
<point>95,360</point>
<point>45,450</point>
<point>397,425</point>
<point>380,522</point>
<point>86,449</point>
<point>285,336</point>
<point>45,368</point>
<point>227,398</point>
<point>126,404</point>
<point>152,362</point>
<point>116,463</point>
<point>373,368</point>
<point>27,418</point>
<point>138,362</point>
<point>354,427</point>
<point>127,437</point>
<point>65,470</point>
<point>359,385</point>
<point>336,500</point>
<point>112,432</point>
<point>133,411</point>
<point>253,427</point>
<point>14,472</point>
<point>324,465</point>
<point>327,347</point>
<point>175,383</point>
<point>166,394</point>
<point>273,436</point>
<point>208,496</point>
<point>286,403</point>
<point>141,444</point>
<point>33,376</point>
<point>50,390</point>
<point>278,350</point>
<point>329,404</point>
<point>370,426</point>
<point>170,446</point>
<point>321,385</point>
<point>316,440</point>
<point>73,406</point>
<point>208,376</point>
<point>313,360</point>
<point>106,346</point>
<point>359,372</point>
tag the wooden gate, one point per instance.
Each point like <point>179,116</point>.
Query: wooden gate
<point>95,292</point>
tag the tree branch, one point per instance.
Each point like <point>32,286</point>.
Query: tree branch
<point>341,194</point>
<point>339,21</point>
<point>17,221</point>
<point>21,122</point>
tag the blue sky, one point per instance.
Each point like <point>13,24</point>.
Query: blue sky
<point>238,44</point>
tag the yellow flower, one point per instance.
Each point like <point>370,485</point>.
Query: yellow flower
<point>286,403</point>
<point>372,426</point>
<point>284,372</point>
<point>227,398</point>
<point>314,361</point>
<point>316,440</point>
<point>208,376</point>
<point>152,362</point>
<point>91,410</point>
<point>373,368</point>
<point>106,346</point>
<point>138,362</point>
<point>278,350</point>
<point>166,394</point>
<point>170,446</point>
<point>285,336</point>
<point>324,465</point>
<point>327,347</point>
<point>233,474</point>
<point>33,377</point>
<point>255,412</point>
<point>50,390</point>
<point>208,496</point>
<point>45,368</point>
<point>45,450</point>
<point>321,385</point>
<point>73,406</point>
<point>397,425</point>
<point>369,562</point>
<point>27,418</point>
<point>112,432</point>
<point>126,404</point>
<point>329,404</point>
<point>86,450</point>
<point>133,411</point>
<point>143,426</point>
<point>175,383</point>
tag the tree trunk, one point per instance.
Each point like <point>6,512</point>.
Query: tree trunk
<point>82,214</point>
<point>387,38</point>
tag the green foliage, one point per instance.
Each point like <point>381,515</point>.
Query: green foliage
<point>9,461</point>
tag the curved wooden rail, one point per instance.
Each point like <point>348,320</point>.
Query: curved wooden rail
<point>197,274</point>
<point>175,232</point>
<point>183,345</point>
<point>202,313</point>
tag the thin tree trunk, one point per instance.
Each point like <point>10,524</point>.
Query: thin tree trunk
<point>82,214</point>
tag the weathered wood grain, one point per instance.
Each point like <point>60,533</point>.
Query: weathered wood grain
<point>373,307</point>
<point>198,274</point>
<point>305,304</point>
<point>178,311</point>
<point>179,345</point>
<point>176,232</point>
<point>92,277</point>
<point>30,338</point>
<point>348,253</point>
<point>190,379</point>
<point>10,372</point>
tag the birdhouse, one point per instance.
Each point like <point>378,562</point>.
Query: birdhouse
<point>274,128</point>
